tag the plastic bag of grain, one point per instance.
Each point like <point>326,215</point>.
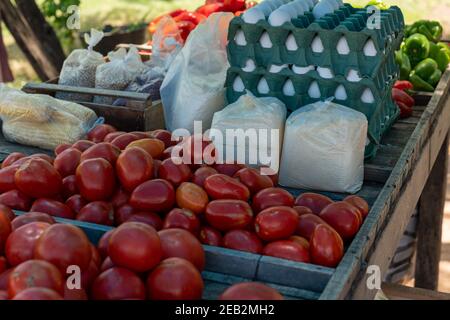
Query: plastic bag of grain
<point>80,67</point>
<point>123,67</point>
<point>251,131</point>
<point>323,148</point>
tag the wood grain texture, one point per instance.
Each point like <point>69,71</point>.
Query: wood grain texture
<point>399,292</point>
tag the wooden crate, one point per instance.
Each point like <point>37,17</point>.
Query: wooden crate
<point>140,113</point>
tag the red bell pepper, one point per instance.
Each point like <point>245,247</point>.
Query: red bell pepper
<point>185,28</point>
<point>250,4</point>
<point>152,26</point>
<point>403,85</point>
<point>209,9</point>
<point>233,5</point>
<point>403,97</point>
<point>193,17</point>
<point>405,111</point>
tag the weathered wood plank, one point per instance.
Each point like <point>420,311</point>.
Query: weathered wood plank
<point>431,211</point>
<point>399,292</point>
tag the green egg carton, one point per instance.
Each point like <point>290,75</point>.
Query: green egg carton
<point>380,114</point>
<point>347,22</point>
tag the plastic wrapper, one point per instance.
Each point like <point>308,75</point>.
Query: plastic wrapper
<point>193,89</point>
<point>123,67</point>
<point>80,67</point>
<point>263,118</point>
<point>42,121</point>
<point>323,148</point>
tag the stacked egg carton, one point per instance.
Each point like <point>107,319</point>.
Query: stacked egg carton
<point>322,50</point>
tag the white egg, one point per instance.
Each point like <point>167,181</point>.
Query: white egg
<point>276,69</point>
<point>238,84</point>
<point>317,45</point>
<point>340,93</point>
<point>253,15</point>
<point>250,66</point>
<point>291,44</point>
<point>265,40</point>
<point>314,90</point>
<point>325,73</point>
<point>239,38</point>
<point>322,8</point>
<point>367,96</point>
<point>302,70</point>
<point>369,49</point>
<point>288,88</point>
<point>342,46</point>
<point>353,76</point>
<point>263,86</point>
<point>279,17</point>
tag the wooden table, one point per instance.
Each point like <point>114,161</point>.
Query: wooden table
<point>410,170</point>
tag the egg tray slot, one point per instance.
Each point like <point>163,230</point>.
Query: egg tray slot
<point>306,30</point>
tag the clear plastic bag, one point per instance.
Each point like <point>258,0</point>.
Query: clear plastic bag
<point>42,121</point>
<point>193,89</point>
<point>263,118</point>
<point>80,67</point>
<point>323,148</point>
<point>123,67</point>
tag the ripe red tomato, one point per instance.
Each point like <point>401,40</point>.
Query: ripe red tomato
<point>182,244</point>
<point>66,163</point>
<point>188,285</point>
<point>7,211</point>
<point>30,218</point>
<point>21,242</point>
<point>211,237</point>
<point>38,179</point>
<point>149,218</point>
<point>75,294</point>
<point>35,274</point>
<point>276,223</point>
<point>89,275</point>
<point>156,196</point>
<point>228,169</point>
<point>76,203</point>
<point>182,219</point>
<point>226,215</point>
<point>326,246</point>
<point>41,156</point>
<point>69,187</point>
<point>7,178</point>
<point>53,208</point>
<point>124,140</point>
<point>134,166</point>
<point>153,147</point>
<point>16,200</point>
<point>61,148</point>
<point>197,149</point>
<point>98,212</point>
<point>118,284</point>
<point>307,223</point>
<point>243,240</point>
<point>166,137</point>
<point>5,229</point>
<point>288,250</point>
<point>13,157</point>
<point>96,256</point>
<point>4,278</point>
<point>96,180</point>
<point>120,198</point>
<point>35,294</point>
<point>192,197</point>
<point>3,295</point>
<point>220,186</point>
<point>125,242</point>
<point>302,210</point>
<point>167,154</point>
<point>102,150</point>
<point>359,203</point>
<point>122,214</point>
<point>83,145</point>
<point>343,217</point>
<point>107,264</point>
<point>156,164</point>
<point>201,174</point>
<point>301,241</point>
<point>272,197</point>
<point>316,202</point>
<point>3,264</point>
<point>250,291</point>
<point>64,246</point>
<point>99,133</point>
<point>113,135</point>
<point>253,180</point>
<point>141,135</point>
<point>174,173</point>
<point>103,244</point>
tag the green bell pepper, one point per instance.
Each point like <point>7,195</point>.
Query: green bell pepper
<point>425,75</point>
<point>430,29</point>
<point>405,65</point>
<point>440,54</point>
<point>417,48</point>
<point>378,3</point>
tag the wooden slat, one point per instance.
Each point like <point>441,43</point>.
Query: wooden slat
<point>399,292</point>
